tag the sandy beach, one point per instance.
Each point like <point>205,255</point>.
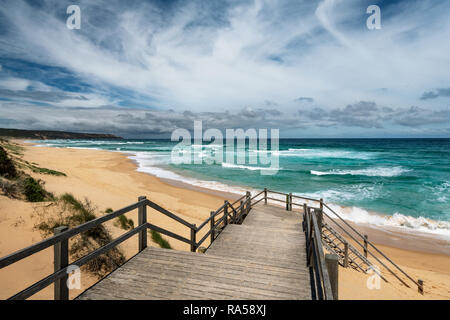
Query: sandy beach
<point>110,180</point>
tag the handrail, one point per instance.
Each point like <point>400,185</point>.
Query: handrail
<point>373,246</point>
<point>320,280</point>
<point>238,200</point>
<point>211,217</point>
<point>323,204</point>
<point>311,230</point>
<point>42,284</point>
<point>28,251</point>
<point>66,235</point>
<point>170,214</point>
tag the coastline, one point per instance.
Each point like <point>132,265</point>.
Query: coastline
<point>110,179</point>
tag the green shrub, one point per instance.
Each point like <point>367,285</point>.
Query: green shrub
<point>33,190</point>
<point>10,189</point>
<point>124,223</point>
<point>47,171</point>
<point>7,168</point>
<point>157,238</point>
<point>109,210</point>
<point>73,212</point>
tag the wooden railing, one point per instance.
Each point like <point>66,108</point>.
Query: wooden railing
<point>229,213</point>
<point>218,219</point>
<point>321,286</point>
<point>368,248</point>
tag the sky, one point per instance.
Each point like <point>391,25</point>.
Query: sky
<point>307,67</point>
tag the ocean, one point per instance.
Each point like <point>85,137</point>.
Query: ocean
<point>386,182</point>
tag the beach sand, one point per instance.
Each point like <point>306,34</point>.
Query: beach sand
<point>110,180</point>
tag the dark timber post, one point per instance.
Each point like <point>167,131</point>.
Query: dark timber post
<point>321,204</point>
<point>241,210</point>
<point>142,219</point>
<point>290,201</point>
<point>193,241</point>
<point>287,202</point>
<point>319,219</point>
<point>304,217</point>
<point>265,195</point>
<point>225,213</point>
<point>366,237</point>
<point>61,256</point>
<point>420,287</point>
<point>332,261</point>
<point>345,254</point>
<point>211,223</point>
<point>249,201</point>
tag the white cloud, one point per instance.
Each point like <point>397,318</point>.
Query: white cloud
<point>255,51</point>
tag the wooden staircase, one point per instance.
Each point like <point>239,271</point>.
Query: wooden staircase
<point>335,243</point>
<point>263,258</point>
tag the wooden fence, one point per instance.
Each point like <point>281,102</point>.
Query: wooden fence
<point>228,213</point>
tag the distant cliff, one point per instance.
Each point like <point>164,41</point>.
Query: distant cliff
<point>43,134</point>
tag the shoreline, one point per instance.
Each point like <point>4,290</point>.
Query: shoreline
<point>391,236</point>
<point>110,179</point>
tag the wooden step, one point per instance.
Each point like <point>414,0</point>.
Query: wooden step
<point>168,274</point>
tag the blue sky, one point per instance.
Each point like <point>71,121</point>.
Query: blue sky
<point>311,68</point>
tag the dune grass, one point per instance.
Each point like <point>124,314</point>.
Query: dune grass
<point>72,212</point>
<point>157,238</point>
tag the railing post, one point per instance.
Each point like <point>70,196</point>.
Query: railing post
<point>142,219</point>
<point>61,256</point>
<point>241,209</point>
<point>346,254</point>
<point>332,261</point>
<point>304,217</point>
<point>249,202</point>
<point>319,219</point>
<point>321,204</point>
<point>420,287</point>
<point>211,224</point>
<point>366,237</point>
<point>287,202</point>
<point>193,240</point>
<point>290,201</point>
<point>225,213</point>
<point>265,195</point>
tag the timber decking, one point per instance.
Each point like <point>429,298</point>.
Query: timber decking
<point>264,258</point>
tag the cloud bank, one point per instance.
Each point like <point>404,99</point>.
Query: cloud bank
<point>261,61</point>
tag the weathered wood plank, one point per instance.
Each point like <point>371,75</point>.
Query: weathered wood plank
<point>264,258</point>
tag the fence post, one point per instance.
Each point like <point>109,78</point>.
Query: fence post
<point>319,214</point>
<point>287,202</point>
<point>332,261</point>
<point>366,237</point>
<point>345,254</point>
<point>420,287</point>
<point>193,240</point>
<point>290,201</point>
<point>249,201</point>
<point>321,204</point>
<point>304,217</point>
<point>61,256</point>
<point>241,209</point>
<point>142,219</point>
<point>225,213</point>
<point>265,195</point>
<point>211,224</point>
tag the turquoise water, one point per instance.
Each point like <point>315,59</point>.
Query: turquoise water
<point>405,179</point>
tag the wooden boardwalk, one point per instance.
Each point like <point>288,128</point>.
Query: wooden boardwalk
<point>263,258</point>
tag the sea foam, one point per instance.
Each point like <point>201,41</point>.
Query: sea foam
<point>370,172</point>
